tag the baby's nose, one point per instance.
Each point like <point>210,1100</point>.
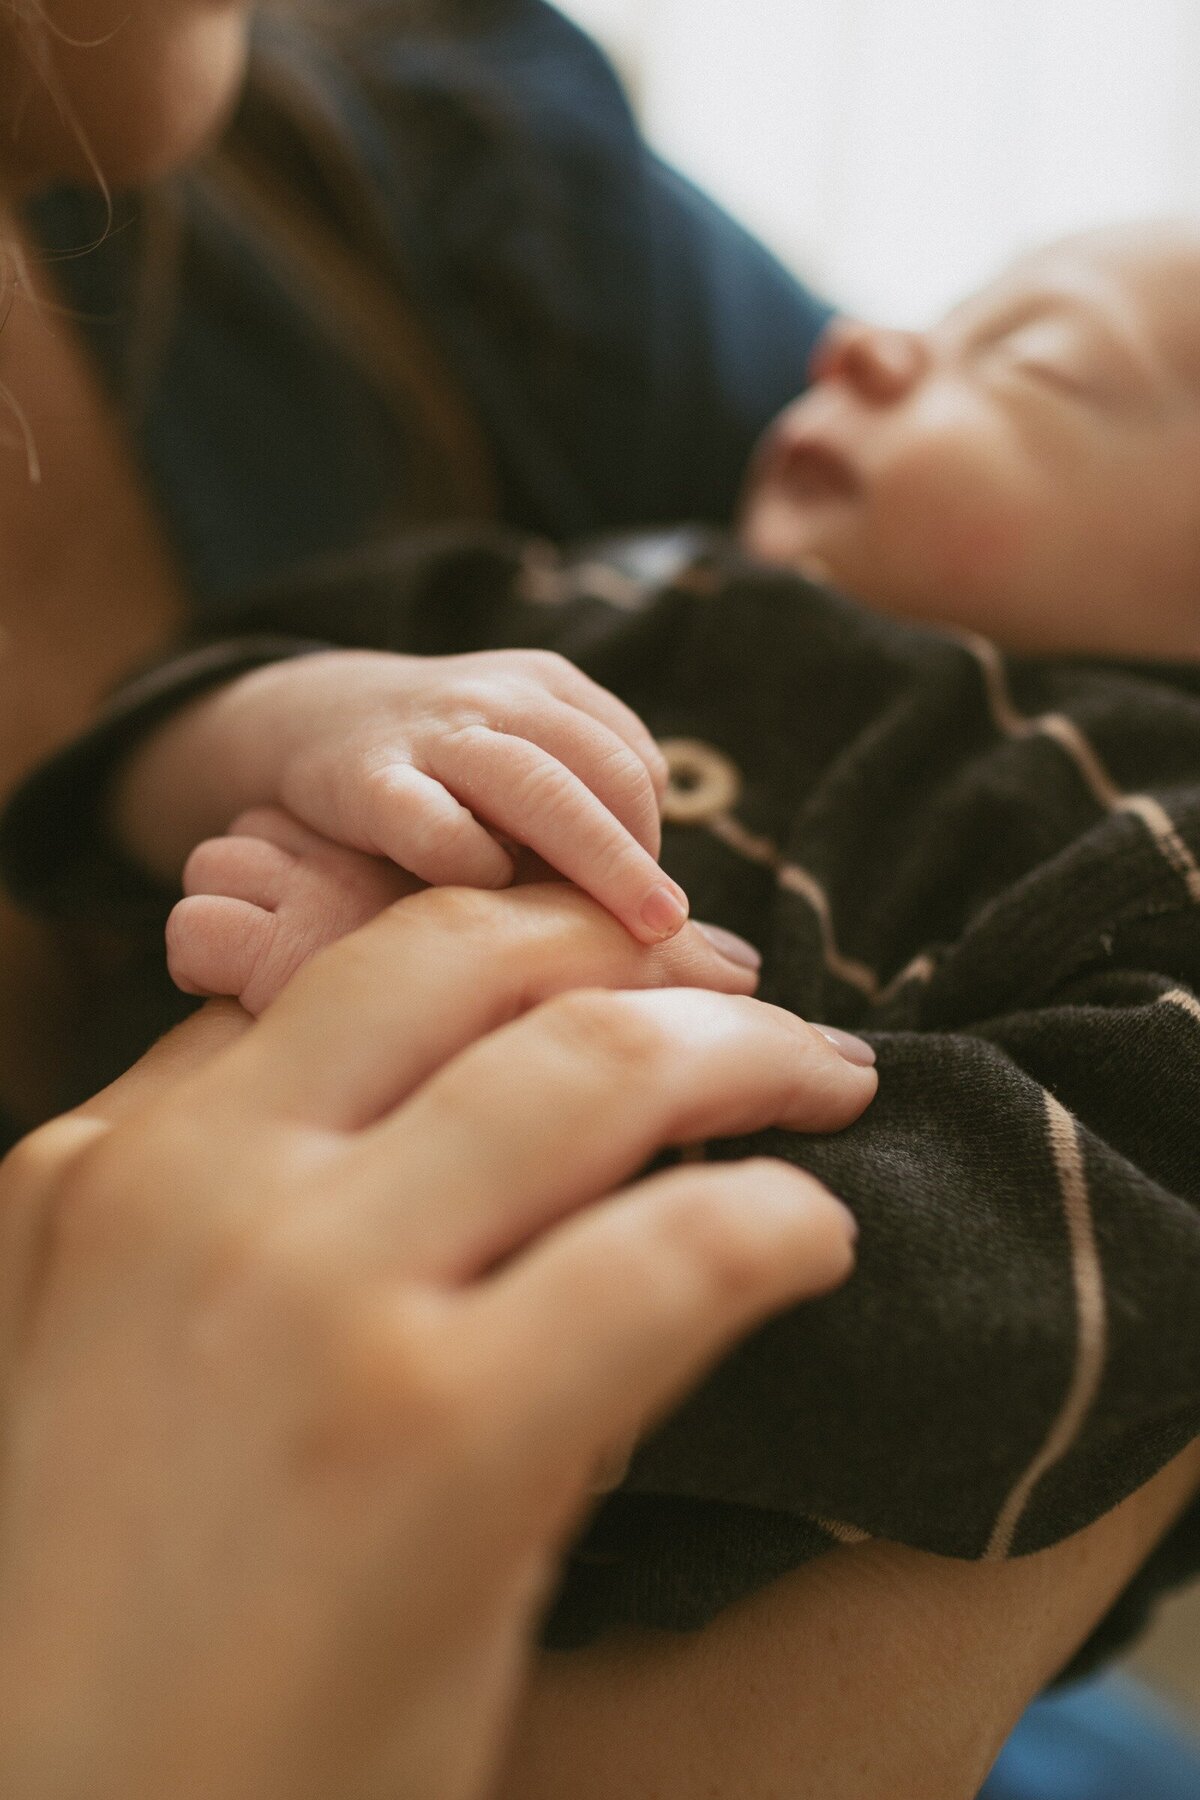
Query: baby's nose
<point>879,363</point>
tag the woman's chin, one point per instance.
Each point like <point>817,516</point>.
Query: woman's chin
<point>123,121</point>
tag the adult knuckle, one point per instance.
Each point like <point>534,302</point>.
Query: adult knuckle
<point>395,1385</point>
<point>108,1206</point>
<point>612,1029</point>
<point>36,1163</point>
<point>706,1237</point>
<point>461,912</point>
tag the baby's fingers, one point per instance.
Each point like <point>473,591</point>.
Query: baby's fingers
<point>599,756</point>
<point>215,943</point>
<point>530,797</point>
<point>578,690</point>
<point>409,816</point>
<point>264,899</point>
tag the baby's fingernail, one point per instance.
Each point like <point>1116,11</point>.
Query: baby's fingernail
<point>733,948</point>
<point>664,912</point>
<point>854,1049</point>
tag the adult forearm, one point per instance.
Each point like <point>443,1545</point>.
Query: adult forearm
<point>876,1671</point>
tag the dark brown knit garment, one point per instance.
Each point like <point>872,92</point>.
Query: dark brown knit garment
<point>989,867</point>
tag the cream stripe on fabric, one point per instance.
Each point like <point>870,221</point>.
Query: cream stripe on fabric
<point>733,834</point>
<point>799,881</point>
<point>1162,829</point>
<point>845,1534</point>
<point>1012,724</point>
<point>1087,1278</point>
<point>856,974</point>
<point>1067,734</point>
<point>1064,731</point>
<point>1180,997</point>
<point>921,968</point>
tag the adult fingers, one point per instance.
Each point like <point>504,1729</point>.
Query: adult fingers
<point>182,1053</point>
<point>31,1175</point>
<point>581,1341</point>
<point>369,1018</point>
<point>540,1117</point>
<point>536,800</point>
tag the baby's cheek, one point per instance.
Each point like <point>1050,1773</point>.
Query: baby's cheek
<point>982,549</point>
<point>963,528</point>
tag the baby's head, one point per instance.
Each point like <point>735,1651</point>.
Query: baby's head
<point>1029,468</point>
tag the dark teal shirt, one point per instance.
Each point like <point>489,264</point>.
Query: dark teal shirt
<point>619,339</point>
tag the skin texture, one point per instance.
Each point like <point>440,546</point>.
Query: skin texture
<point>875,1673</point>
<point>413,758</point>
<point>123,90</point>
<point>1027,468</point>
<point>244,1448</point>
<point>144,99</point>
<point>111,90</point>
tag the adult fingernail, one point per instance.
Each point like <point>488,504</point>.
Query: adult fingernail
<point>664,912</point>
<point>733,948</point>
<point>854,1049</point>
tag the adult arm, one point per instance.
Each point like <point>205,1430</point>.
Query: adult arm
<point>282,1483</point>
<point>874,1673</point>
<point>1017,1352</point>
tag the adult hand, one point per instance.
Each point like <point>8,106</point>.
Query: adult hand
<point>307,1363</point>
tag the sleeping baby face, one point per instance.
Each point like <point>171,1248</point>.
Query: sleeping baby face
<point>1029,468</point>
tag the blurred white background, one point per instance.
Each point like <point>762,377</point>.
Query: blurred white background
<point>896,151</point>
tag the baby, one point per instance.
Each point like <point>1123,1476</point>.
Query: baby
<point>987,864</point>
<point>1028,469</point>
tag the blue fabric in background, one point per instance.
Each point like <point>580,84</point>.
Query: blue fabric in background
<point>1107,1739</point>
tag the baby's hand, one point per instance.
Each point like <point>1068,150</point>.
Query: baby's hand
<point>263,899</point>
<point>437,763</point>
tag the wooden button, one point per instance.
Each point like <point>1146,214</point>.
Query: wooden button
<point>701,783</point>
